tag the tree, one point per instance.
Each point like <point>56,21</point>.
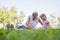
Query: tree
<point>7,16</point>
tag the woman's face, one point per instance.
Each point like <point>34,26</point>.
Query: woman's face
<point>34,16</point>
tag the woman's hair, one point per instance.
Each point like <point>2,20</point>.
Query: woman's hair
<point>42,15</point>
<point>35,13</point>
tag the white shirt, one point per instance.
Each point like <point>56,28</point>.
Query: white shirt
<point>33,22</point>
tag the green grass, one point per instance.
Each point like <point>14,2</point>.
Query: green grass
<point>28,34</point>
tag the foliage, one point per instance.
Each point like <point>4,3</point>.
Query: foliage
<point>54,21</point>
<point>28,34</point>
<point>3,34</point>
<point>6,15</point>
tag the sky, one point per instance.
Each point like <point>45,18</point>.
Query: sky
<point>29,6</point>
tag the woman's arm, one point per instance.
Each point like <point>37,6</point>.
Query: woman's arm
<point>28,22</point>
<point>40,22</point>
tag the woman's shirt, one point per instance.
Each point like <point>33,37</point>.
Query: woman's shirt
<point>33,22</point>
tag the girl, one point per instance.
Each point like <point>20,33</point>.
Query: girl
<point>45,22</point>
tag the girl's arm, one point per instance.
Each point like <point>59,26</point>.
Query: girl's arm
<point>48,24</point>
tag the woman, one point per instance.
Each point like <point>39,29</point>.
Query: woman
<point>32,21</point>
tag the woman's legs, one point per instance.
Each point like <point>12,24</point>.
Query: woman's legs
<point>21,26</point>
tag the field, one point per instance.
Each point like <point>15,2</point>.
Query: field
<point>29,34</point>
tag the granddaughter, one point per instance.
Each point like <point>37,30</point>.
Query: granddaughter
<point>45,22</point>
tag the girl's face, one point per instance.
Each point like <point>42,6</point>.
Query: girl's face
<point>43,18</point>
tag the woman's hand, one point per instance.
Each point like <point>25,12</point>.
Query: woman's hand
<point>28,23</point>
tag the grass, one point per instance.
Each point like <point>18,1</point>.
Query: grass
<point>28,34</point>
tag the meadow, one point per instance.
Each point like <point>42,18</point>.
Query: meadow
<point>29,34</point>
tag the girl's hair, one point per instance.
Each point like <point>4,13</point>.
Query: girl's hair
<point>42,15</point>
